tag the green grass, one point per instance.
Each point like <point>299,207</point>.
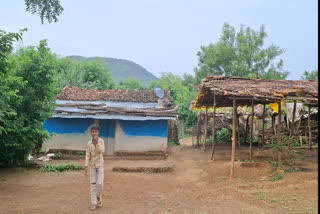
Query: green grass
<point>60,168</point>
<point>277,176</point>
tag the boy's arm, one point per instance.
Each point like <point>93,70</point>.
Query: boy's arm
<point>87,156</point>
<point>100,146</point>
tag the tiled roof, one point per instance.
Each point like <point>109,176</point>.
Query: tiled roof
<point>120,95</point>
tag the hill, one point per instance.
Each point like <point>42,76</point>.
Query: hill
<point>122,69</point>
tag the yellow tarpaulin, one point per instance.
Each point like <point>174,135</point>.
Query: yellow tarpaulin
<point>274,106</point>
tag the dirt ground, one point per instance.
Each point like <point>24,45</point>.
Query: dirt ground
<point>197,185</point>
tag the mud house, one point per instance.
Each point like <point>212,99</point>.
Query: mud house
<point>130,121</point>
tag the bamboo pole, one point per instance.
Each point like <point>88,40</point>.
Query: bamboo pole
<point>251,130</point>
<point>309,125</point>
<point>205,129</point>
<point>213,126</point>
<point>233,136</point>
<point>263,121</point>
<point>279,136</point>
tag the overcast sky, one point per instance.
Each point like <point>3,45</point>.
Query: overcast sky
<point>165,35</point>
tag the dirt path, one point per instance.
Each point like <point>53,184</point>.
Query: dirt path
<point>196,186</point>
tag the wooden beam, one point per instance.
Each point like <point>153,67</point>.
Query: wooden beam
<point>279,136</point>
<point>233,137</point>
<point>309,125</point>
<point>198,130</point>
<point>247,126</point>
<point>213,126</point>
<point>238,129</point>
<point>205,130</point>
<point>251,130</point>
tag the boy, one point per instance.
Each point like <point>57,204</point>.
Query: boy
<point>95,163</point>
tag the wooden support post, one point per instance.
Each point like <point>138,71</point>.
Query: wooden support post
<point>279,136</point>
<point>199,129</point>
<point>293,117</point>
<point>213,126</point>
<point>251,130</point>
<point>309,125</point>
<point>238,130</point>
<point>205,130</point>
<point>233,136</point>
<point>247,127</point>
<point>306,132</point>
<point>263,120</point>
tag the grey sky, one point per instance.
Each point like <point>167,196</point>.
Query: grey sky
<point>165,35</point>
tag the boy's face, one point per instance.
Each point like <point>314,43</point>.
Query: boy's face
<point>94,133</point>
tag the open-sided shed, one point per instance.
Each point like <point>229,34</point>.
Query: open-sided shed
<point>221,91</point>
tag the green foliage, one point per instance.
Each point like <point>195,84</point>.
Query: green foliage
<point>57,155</point>
<point>223,135</point>
<point>27,98</point>
<point>85,74</point>
<point>173,143</point>
<point>181,95</point>
<point>240,54</point>
<point>96,76</point>
<point>80,153</point>
<point>130,84</point>
<point>277,176</point>
<point>123,69</point>
<point>60,168</point>
<point>312,75</point>
<point>49,10</point>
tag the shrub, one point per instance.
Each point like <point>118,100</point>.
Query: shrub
<point>60,168</point>
<point>224,135</point>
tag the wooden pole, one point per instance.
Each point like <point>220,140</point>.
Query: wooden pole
<point>309,125</point>
<point>199,129</point>
<point>247,126</point>
<point>233,136</point>
<point>263,120</point>
<point>293,117</point>
<point>279,136</point>
<point>251,130</point>
<point>238,130</point>
<point>213,126</point>
<point>205,129</point>
<point>306,132</point>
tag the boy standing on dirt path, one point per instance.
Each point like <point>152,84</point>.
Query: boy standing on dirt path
<point>95,163</point>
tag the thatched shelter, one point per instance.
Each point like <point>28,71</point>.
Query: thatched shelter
<point>221,91</point>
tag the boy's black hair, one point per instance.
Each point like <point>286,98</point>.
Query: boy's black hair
<point>95,126</point>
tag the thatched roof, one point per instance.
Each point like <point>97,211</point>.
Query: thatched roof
<point>260,90</point>
<point>120,95</point>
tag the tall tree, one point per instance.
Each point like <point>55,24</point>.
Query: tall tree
<point>312,75</point>
<point>181,95</point>
<point>33,100</point>
<point>97,76</point>
<point>240,54</point>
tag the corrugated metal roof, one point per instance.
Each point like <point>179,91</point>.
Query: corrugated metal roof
<point>115,117</point>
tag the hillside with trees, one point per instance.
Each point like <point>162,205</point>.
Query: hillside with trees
<point>122,69</point>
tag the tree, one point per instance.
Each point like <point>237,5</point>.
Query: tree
<point>46,9</point>
<point>29,99</point>
<point>96,76</point>
<point>240,54</point>
<point>180,93</point>
<point>130,84</point>
<point>312,75</point>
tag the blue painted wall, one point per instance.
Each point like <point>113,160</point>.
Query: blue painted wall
<point>67,126</point>
<point>78,126</point>
<point>107,128</point>
<point>155,128</point>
